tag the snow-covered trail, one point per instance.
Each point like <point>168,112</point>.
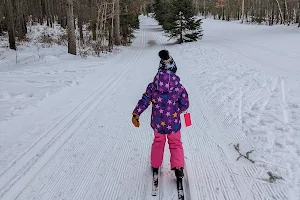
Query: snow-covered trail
<point>272,49</point>
<point>92,152</point>
<point>246,81</point>
<point>80,143</point>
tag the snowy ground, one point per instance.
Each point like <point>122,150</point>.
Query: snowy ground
<point>66,128</point>
<point>38,70</point>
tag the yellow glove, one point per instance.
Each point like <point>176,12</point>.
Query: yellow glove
<point>135,120</point>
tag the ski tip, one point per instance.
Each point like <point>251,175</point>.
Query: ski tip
<point>154,193</point>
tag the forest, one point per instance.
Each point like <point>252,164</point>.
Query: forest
<point>103,24</point>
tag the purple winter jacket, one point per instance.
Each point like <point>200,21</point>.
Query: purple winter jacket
<point>169,99</point>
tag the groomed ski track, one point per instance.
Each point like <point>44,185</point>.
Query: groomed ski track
<point>94,152</point>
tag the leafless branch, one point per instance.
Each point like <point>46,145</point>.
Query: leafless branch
<point>237,148</point>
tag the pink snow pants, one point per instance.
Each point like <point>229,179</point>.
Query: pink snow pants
<point>175,146</point>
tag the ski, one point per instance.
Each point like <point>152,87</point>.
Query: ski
<point>180,190</point>
<point>155,183</point>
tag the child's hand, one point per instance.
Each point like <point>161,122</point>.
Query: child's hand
<point>135,120</point>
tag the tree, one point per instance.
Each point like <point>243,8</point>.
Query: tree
<point>128,21</point>
<point>10,25</point>
<point>281,15</point>
<point>256,11</point>
<point>299,13</point>
<point>243,11</point>
<point>117,23</point>
<point>184,25</point>
<point>21,28</point>
<point>71,29</point>
<point>221,4</point>
<point>2,22</point>
<point>163,13</point>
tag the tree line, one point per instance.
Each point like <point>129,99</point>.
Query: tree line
<point>110,22</point>
<point>252,11</point>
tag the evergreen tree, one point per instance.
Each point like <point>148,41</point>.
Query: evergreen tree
<point>129,23</point>
<point>183,24</point>
<point>163,13</point>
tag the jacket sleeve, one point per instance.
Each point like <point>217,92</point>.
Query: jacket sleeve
<point>183,100</point>
<point>145,101</point>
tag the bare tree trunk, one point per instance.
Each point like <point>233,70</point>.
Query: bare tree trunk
<point>272,17</point>
<point>21,22</point>
<point>80,29</point>
<point>223,13</point>
<point>51,8</point>
<point>285,12</point>
<point>299,13</point>
<point>204,8</point>
<point>117,23</point>
<point>41,17</point>
<point>280,12</point>
<point>260,12</point>
<point>111,38</point>
<point>80,22</point>
<point>243,11</point>
<point>1,28</point>
<point>229,11</point>
<point>71,29</point>
<point>104,20</point>
<point>94,28</point>
<point>99,21</point>
<point>10,25</point>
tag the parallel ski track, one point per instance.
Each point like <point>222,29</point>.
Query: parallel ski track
<point>220,130</point>
<point>84,172</point>
<point>257,60</point>
<point>294,56</point>
<point>57,136</point>
<point>102,189</point>
<point>82,192</point>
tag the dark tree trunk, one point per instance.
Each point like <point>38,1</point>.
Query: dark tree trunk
<point>299,13</point>
<point>21,21</point>
<point>94,27</point>
<point>40,10</point>
<point>273,14</point>
<point>10,25</point>
<point>80,29</point>
<point>117,23</point>
<point>71,29</point>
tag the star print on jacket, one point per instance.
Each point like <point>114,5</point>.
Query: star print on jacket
<point>169,99</point>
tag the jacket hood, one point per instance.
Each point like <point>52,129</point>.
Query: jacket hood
<point>166,81</point>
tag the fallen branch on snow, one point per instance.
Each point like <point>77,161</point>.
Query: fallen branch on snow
<point>237,148</point>
<point>274,177</point>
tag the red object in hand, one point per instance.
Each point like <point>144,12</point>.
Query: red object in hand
<point>187,119</point>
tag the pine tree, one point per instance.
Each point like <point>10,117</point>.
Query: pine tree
<point>163,11</point>
<point>184,25</point>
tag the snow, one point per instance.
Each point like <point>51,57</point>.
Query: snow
<point>37,70</point>
<point>65,122</point>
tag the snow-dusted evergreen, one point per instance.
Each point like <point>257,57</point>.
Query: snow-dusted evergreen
<point>178,19</point>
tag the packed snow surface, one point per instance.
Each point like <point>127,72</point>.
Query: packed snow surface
<point>65,122</point>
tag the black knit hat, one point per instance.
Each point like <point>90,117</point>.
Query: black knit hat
<point>164,54</point>
<point>166,62</point>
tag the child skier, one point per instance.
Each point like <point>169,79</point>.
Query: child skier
<point>169,99</point>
